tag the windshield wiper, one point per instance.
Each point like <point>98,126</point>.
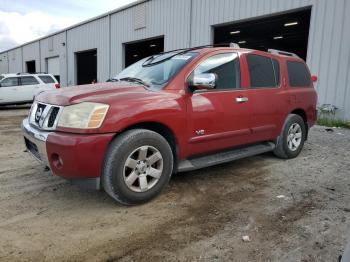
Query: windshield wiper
<point>134,79</point>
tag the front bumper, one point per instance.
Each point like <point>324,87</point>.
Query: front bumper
<point>76,157</point>
<point>35,142</point>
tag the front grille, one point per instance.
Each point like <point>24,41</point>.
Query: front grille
<point>53,117</point>
<point>44,116</point>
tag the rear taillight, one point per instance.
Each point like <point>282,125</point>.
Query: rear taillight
<point>314,78</point>
<point>57,86</point>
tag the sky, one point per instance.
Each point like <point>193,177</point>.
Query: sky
<point>22,21</point>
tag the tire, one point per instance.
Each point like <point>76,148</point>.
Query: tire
<point>291,141</point>
<point>129,175</point>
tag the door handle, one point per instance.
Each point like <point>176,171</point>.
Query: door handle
<point>241,99</point>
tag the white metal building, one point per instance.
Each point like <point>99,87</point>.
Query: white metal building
<point>100,47</point>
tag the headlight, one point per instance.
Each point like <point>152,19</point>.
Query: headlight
<point>84,115</point>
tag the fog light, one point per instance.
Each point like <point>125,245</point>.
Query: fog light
<point>57,160</point>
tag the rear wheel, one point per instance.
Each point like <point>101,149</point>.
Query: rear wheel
<point>137,166</point>
<point>292,138</point>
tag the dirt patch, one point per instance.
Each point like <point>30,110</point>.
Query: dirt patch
<point>295,210</point>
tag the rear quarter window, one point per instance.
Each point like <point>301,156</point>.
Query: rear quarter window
<point>298,74</point>
<point>47,79</point>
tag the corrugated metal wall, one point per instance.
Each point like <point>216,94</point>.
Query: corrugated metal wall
<point>4,63</point>
<point>31,52</point>
<point>167,18</point>
<point>15,60</point>
<point>186,23</point>
<point>55,46</point>
<point>329,39</point>
<point>93,35</point>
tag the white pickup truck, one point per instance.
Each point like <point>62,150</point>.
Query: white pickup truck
<point>21,88</point>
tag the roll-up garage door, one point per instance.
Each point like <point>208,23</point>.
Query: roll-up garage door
<point>53,67</point>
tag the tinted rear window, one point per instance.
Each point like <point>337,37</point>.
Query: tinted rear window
<point>298,74</point>
<point>263,71</point>
<point>47,79</point>
<point>28,80</point>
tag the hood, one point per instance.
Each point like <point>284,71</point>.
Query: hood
<point>102,92</point>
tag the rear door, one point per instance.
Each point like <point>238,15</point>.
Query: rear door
<point>266,96</point>
<point>9,90</point>
<point>219,118</point>
<point>30,86</point>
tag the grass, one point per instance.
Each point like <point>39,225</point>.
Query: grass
<point>333,122</point>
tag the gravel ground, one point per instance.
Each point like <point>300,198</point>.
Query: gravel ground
<point>295,210</point>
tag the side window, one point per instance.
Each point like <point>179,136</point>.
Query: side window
<point>28,80</point>
<point>47,79</point>
<point>11,81</point>
<point>226,67</point>
<point>263,71</point>
<point>298,74</point>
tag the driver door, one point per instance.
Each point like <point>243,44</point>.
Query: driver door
<point>9,92</point>
<point>219,117</point>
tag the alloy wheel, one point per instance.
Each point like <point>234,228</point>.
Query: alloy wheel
<point>143,168</point>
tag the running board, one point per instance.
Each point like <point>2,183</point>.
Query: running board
<point>223,157</point>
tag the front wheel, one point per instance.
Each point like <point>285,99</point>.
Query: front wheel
<point>137,166</point>
<point>291,141</point>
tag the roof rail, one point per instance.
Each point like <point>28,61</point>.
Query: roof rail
<point>23,73</point>
<point>201,47</point>
<point>280,52</point>
<point>148,62</point>
<point>26,73</point>
<point>234,45</point>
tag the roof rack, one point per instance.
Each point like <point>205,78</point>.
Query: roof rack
<point>148,62</point>
<point>26,73</point>
<point>234,45</point>
<point>23,73</point>
<point>280,52</point>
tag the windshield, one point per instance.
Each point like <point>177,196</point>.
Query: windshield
<point>156,71</point>
<point>1,77</point>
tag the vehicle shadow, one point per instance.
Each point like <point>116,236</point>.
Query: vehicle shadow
<point>15,107</point>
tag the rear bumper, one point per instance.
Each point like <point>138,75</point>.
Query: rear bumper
<point>75,157</point>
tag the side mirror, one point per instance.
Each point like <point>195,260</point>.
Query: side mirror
<point>314,78</point>
<point>204,81</point>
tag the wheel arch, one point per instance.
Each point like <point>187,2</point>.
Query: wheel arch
<point>301,112</point>
<point>164,131</point>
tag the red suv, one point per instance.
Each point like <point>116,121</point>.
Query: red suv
<point>175,111</point>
